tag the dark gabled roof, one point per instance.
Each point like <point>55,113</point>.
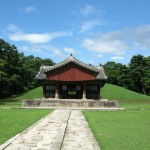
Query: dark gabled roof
<point>99,69</point>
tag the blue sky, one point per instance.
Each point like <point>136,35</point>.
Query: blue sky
<point>94,31</point>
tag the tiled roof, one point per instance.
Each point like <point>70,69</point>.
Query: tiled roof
<point>101,74</point>
<point>99,70</point>
<point>41,75</point>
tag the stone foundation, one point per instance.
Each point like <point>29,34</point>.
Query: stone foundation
<point>71,103</point>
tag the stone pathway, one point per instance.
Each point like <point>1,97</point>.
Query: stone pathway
<point>78,135</point>
<point>60,130</point>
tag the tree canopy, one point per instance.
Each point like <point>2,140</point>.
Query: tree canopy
<point>135,76</point>
<point>17,71</point>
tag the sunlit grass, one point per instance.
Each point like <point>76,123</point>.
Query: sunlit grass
<point>120,130</point>
<point>32,94</point>
<point>113,92</point>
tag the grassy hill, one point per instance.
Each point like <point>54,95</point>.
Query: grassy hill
<point>126,98</point>
<point>114,92</point>
<point>32,94</point>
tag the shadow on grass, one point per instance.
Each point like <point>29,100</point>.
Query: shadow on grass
<point>134,104</point>
<point>15,100</point>
<point>10,102</point>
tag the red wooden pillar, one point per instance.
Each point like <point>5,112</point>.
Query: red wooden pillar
<point>84,90</point>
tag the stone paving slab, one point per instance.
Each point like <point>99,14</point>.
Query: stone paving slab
<point>60,130</point>
<point>78,135</point>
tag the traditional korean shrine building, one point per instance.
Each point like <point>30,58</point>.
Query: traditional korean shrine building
<point>72,79</point>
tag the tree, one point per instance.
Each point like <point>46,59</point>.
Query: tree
<point>9,69</point>
<point>125,78</point>
<point>135,76</point>
<point>146,75</point>
<point>17,71</point>
<point>113,71</point>
<point>137,73</point>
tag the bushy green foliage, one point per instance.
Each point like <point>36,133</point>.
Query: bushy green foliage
<point>17,71</point>
<point>135,76</point>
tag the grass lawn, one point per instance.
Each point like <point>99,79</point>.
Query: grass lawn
<point>12,103</point>
<point>135,104</point>
<point>120,130</point>
<point>14,121</point>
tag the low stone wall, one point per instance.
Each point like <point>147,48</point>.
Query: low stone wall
<point>71,103</point>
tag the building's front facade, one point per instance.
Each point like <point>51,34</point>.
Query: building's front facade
<point>72,79</point>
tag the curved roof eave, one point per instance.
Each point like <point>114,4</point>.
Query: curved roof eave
<point>73,60</point>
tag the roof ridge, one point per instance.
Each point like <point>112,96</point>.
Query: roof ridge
<point>74,60</point>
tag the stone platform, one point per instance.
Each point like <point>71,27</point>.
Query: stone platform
<point>69,103</point>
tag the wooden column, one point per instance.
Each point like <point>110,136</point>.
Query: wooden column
<point>57,90</point>
<point>84,90</point>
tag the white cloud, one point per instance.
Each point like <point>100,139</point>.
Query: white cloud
<point>70,50</point>
<point>30,49</point>
<point>87,10</point>
<point>117,58</point>
<point>18,35</point>
<point>141,36</point>
<point>108,43</point>
<point>46,50</point>
<point>49,48</point>
<point>120,42</point>
<point>29,9</point>
<point>13,28</point>
<point>89,25</point>
<point>94,18</point>
<point>56,51</point>
<point>33,38</point>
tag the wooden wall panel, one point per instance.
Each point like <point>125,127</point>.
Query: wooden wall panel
<point>70,72</point>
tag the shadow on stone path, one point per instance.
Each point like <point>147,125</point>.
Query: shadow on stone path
<point>60,130</point>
